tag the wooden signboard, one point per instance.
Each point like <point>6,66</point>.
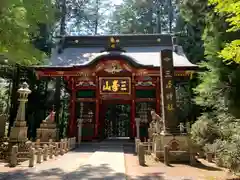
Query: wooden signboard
<point>115,85</point>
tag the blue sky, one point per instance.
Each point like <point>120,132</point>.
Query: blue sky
<point>117,2</point>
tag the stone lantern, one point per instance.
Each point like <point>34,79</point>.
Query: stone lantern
<point>18,132</point>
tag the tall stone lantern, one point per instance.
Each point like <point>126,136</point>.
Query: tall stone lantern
<point>18,132</point>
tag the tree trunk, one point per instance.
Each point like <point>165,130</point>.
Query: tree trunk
<point>97,17</point>
<point>63,18</point>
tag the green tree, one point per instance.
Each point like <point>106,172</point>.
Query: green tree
<point>231,8</point>
<point>217,91</point>
<point>19,26</point>
<point>88,16</point>
<point>147,17</point>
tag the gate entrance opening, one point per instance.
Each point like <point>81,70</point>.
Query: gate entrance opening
<point>116,120</point>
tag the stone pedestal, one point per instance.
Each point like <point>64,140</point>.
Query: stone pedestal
<point>19,132</point>
<point>47,130</point>
<point>179,147</point>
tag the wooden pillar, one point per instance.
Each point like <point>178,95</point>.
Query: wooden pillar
<point>57,101</point>
<point>133,108</point>
<point>158,92</point>
<point>72,123</point>
<point>97,109</point>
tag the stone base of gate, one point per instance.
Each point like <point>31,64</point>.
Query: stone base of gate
<point>180,147</point>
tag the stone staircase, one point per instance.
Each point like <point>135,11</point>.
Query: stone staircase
<point>114,142</point>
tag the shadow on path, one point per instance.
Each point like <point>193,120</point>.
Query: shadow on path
<point>85,172</point>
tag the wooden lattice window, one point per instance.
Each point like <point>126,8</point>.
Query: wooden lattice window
<point>86,111</point>
<point>143,110</point>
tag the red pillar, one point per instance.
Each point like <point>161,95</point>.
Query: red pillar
<point>97,108</point>
<point>72,121</point>
<point>158,91</point>
<point>133,109</point>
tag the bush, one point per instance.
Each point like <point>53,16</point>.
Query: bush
<point>204,130</point>
<point>219,134</point>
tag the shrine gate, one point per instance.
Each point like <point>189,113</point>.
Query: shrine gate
<point>115,79</point>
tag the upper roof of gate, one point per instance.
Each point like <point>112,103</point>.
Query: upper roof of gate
<point>142,50</point>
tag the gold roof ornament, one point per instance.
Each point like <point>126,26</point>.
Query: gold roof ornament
<point>113,42</point>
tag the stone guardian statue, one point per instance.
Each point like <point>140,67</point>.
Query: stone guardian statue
<point>157,122</point>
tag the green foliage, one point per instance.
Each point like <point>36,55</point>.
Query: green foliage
<point>204,130</point>
<point>88,16</point>
<point>231,9</point>
<point>217,129</point>
<point>190,27</point>
<point>3,97</point>
<point>134,16</point>
<point>184,101</point>
<point>19,20</point>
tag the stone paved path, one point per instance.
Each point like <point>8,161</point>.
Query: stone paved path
<point>110,162</point>
<point>53,169</point>
<point>159,171</point>
<point>106,163</point>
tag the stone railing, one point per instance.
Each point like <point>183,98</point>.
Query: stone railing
<point>142,149</point>
<point>41,151</point>
<point>147,148</point>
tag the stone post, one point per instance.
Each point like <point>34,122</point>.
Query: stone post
<point>51,151</point>
<point>69,144</point>
<point>50,142</point>
<point>63,142</point>
<point>192,154</point>
<point>32,157</point>
<point>74,142</point>
<point>56,149</point>
<point>166,155</point>
<point>14,153</point>
<point>149,146</point>
<point>65,145</point>
<point>138,120</point>
<point>141,154</point>
<point>209,156</point>
<point>80,121</point>
<point>37,143</point>
<point>45,152</point>
<point>137,141</point>
<point>39,155</point>
<point>18,132</point>
<point>61,147</point>
<point>157,146</point>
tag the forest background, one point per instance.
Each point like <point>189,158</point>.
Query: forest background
<point>208,31</point>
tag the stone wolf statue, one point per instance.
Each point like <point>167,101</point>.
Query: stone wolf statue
<point>157,122</point>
